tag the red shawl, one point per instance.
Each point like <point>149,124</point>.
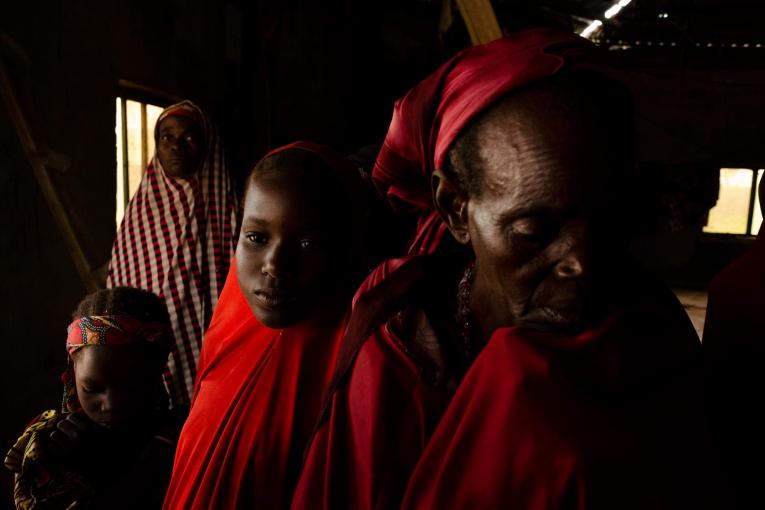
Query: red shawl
<point>176,240</point>
<point>612,418</point>
<point>256,400</point>
<point>380,420</point>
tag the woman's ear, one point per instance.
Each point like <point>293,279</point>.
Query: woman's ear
<point>451,202</point>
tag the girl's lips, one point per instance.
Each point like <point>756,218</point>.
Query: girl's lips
<point>273,299</point>
<point>555,318</point>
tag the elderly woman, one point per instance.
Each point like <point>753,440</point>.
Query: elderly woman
<point>179,233</point>
<point>518,359</point>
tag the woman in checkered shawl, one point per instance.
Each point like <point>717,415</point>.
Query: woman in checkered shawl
<point>179,234</point>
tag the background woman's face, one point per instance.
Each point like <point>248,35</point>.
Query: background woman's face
<point>180,146</point>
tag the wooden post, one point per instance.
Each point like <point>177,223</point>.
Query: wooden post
<point>60,215</point>
<point>480,20</point>
<point>144,141</point>
<point>125,165</point>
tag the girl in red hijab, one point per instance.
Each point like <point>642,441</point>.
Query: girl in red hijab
<point>518,358</point>
<point>271,347</point>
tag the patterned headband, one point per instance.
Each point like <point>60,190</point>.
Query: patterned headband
<point>115,330</point>
<point>107,330</point>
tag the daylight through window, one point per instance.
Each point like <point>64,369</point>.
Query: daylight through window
<point>134,128</point>
<point>738,206</point>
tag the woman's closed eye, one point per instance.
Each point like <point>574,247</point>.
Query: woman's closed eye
<point>91,389</point>
<point>533,230</point>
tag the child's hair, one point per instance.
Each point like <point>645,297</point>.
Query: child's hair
<point>139,304</point>
<point>136,303</point>
<point>314,172</point>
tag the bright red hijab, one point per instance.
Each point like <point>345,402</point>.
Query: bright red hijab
<point>256,399</point>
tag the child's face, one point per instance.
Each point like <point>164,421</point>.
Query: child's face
<point>286,250</point>
<point>115,384</point>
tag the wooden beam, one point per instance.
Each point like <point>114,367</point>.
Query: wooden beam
<point>125,164</point>
<point>480,20</point>
<point>29,146</point>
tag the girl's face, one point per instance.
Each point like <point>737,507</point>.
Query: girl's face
<point>286,253</point>
<point>116,385</point>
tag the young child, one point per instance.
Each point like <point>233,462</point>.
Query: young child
<point>270,351</point>
<point>112,444</point>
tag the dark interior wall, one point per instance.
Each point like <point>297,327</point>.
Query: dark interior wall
<point>698,110</point>
<point>695,111</point>
<point>330,71</point>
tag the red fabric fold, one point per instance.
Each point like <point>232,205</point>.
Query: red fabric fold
<point>612,418</point>
<point>380,421</point>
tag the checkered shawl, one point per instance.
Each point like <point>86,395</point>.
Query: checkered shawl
<point>176,240</point>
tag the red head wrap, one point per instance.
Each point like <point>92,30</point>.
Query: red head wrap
<point>428,119</point>
<point>185,109</point>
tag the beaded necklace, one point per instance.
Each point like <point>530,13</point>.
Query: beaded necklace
<point>463,307</point>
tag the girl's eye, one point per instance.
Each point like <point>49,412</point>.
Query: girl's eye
<point>191,139</point>
<point>165,138</point>
<point>90,390</point>
<point>255,238</point>
<point>308,244</point>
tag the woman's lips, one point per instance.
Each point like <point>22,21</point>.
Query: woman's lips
<point>555,318</point>
<point>567,316</point>
<point>273,300</point>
